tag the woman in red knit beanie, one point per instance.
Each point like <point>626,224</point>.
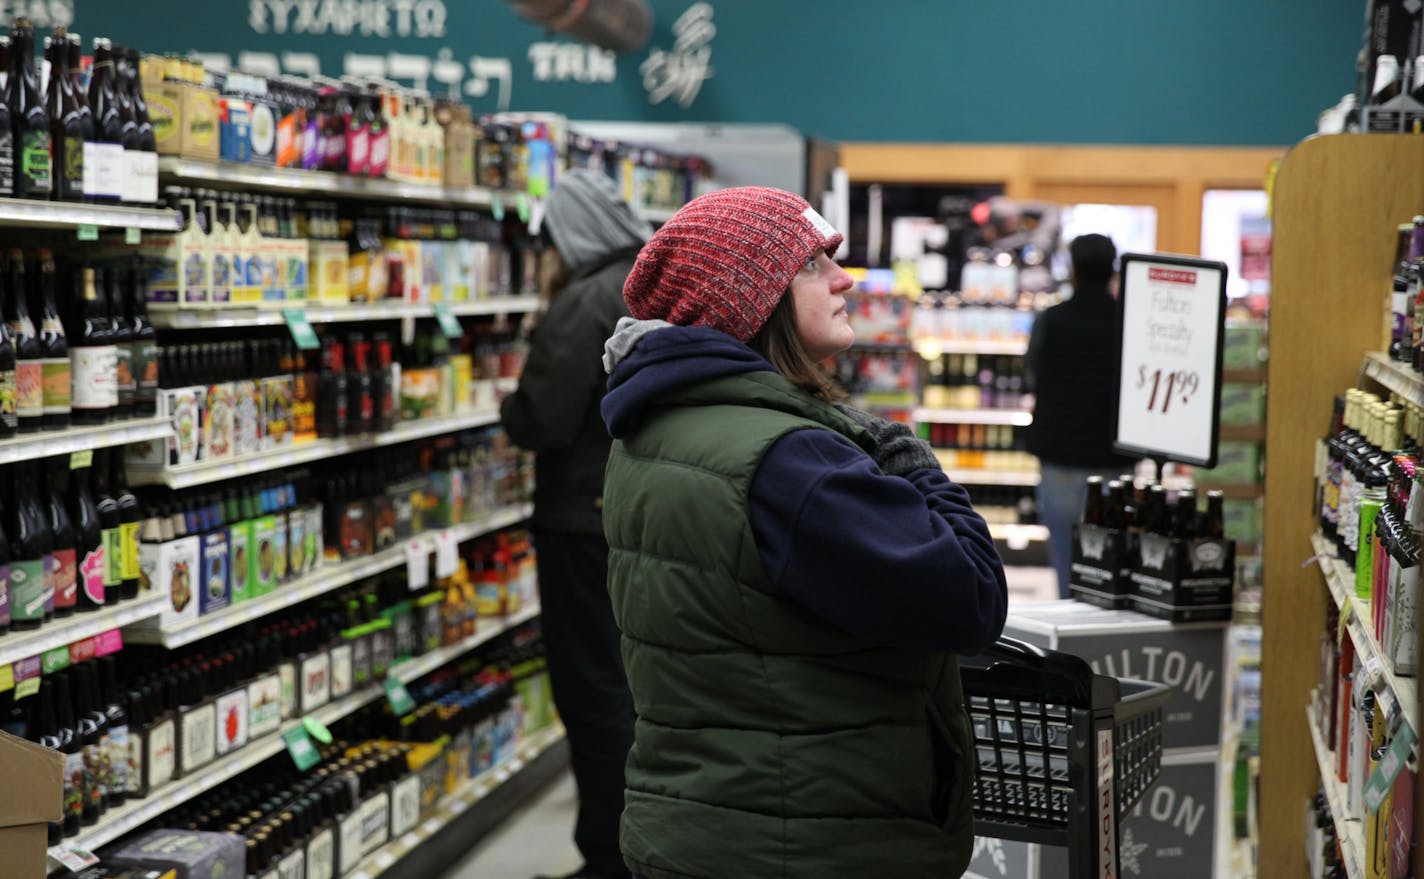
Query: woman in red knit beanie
<point>792,578</point>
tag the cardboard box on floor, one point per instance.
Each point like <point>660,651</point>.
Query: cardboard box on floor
<point>33,779</point>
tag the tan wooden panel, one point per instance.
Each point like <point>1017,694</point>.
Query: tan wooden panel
<point>1337,202</point>
<point>1170,236</point>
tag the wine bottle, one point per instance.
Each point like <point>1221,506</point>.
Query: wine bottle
<point>129,521</point>
<point>93,355</point>
<point>88,534</point>
<point>29,547</point>
<point>53,727</point>
<point>121,329</point>
<point>110,527</point>
<point>105,151</point>
<point>89,727</point>
<point>66,130</point>
<point>120,782</point>
<point>57,389</point>
<point>143,357</point>
<point>7,134</point>
<point>9,417</point>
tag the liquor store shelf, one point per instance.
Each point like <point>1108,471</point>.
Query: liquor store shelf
<point>970,345</point>
<point>1340,579</point>
<point>294,181</point>
<point>1395,376</point>
<point>138,812</point>
<point>59,214</point>
<point>261,462</point>
<point>453,805</point>
<point>1015,417</point>
<point>49,443</point>
<point>20,645</point>
<point>973,476</point>
<point>320,313</point>
<point>1347,826</point>
<point>1018,535</point>
<point>323,580</point>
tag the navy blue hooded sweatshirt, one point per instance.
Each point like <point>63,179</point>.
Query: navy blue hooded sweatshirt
<point>899,561</point>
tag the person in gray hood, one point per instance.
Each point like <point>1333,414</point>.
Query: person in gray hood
<point>555,413</point>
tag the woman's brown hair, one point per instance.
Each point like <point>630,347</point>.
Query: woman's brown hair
<point>778,342</point>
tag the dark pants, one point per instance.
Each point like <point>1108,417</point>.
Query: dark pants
<point>590,689</point>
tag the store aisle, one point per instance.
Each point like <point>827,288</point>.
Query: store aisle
<point>535,839</point>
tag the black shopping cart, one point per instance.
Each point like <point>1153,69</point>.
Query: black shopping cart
<point>1063,752</point>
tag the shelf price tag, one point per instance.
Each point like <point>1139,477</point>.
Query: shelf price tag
<point>316,729</point>
<point>521,207</point>
<point>88,232</point>
<point>133,235</point>
<point>447,554</point>
<point>497,207</point>
<point>1389,767</point>
<point>417,564</point>
<point>27,687</point>
<point>299,745</point>
<point>449,324</point>
<point>398,696</point>
<point>1173,315</point>
<point>81,459</point>
<point>54,660</point>
<point>300,328</point>
<point>7,677</point>
<point>76,859</point>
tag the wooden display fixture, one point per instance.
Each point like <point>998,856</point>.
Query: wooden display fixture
<point>1337,202</point>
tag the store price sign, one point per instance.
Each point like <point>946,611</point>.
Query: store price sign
<point>1172,314</point>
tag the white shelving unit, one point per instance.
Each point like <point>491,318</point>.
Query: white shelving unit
<point>204,472</point>
<point>133,814</point>
<point>1348,827</point>
<point>1340,578</point>
<point>319,183</point>
<point>964,345</point>
<point>1395,376</point>
<point>1013,417</point>
<point>21,645</point>
<point>977,476</point>
<point>324,579</point>
<point>191,318</point>
<point>60,215</point>
<point>46,444</point>
<point>452,806</point>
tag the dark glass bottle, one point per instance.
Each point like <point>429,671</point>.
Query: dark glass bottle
<point>91,725</point>
<point>128,122</point>
<point>1215,526</point>
<point>66,128</point>
<point>53,727</point>
<point>110,525</point>
<point>143,134</point>
<point>9,417</point>
<point>130,519</point>
<point>104,108</point>
<point>4,576</point>
<point>63,558</point>
<point>76,78</point>
<point>7,134</point>
<point>29,361</point>
<point>121,329</point>
<point>28,118</point>
<point>54,350</point>
<point>88,536</point>
<point>143,359</point>
<point>93,356</point>
<point>113,703</point>
<point>331,392</point>
<point>29,546</point>
<point>1093,502</point>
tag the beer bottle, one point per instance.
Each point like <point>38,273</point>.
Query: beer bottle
<point>93,356</point>
<point>123,98</point>
<point>90,725</point>
<point>28,116</point>
<point>30,545</point>
<point>1215,527</point>
<point>143,359</point>
<point>1113,516</point>
<point>108,127</point>
<point>110,525</point>
<point>66,130</point>
<point>54,351</point>
<point>64,566</point>
<point>54,728</point>
<point>143,131</point>
<point>88,534</point>
<point>29,363</point>
<point>129,521</point>
<point>121,328</point>
<point>7,135</point>
<point>1184,522</point>
<point>1093,502</point>
<point>9,417</point>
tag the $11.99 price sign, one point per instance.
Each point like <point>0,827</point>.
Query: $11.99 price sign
<point>1173,311</point>
<point>1167,387</point>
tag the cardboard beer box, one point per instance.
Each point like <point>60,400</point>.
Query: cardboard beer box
<point>1099,573</point>
<point>1184,580</point>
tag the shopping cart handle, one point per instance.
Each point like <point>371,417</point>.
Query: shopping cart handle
<point>1013,648</point>
<point>1015,663</point>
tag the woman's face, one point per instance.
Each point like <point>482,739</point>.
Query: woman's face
<point>821,319</point>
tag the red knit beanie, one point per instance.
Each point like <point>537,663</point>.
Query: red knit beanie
<point>726,258</point>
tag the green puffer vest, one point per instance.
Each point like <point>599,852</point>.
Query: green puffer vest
<point>768,743</point>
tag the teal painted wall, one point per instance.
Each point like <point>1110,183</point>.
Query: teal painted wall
<point>1050,71</point>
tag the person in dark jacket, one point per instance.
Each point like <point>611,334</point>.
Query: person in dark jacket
<point>1072,366</point>
<point>555,413</point>
<point>792,578</point>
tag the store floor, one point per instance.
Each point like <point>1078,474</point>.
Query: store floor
<point>537,838</point>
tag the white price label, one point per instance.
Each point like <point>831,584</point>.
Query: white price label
<point>447,554</point>
<point>417,564</point>
<point>75,859</point>
<point>1168,391</point>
